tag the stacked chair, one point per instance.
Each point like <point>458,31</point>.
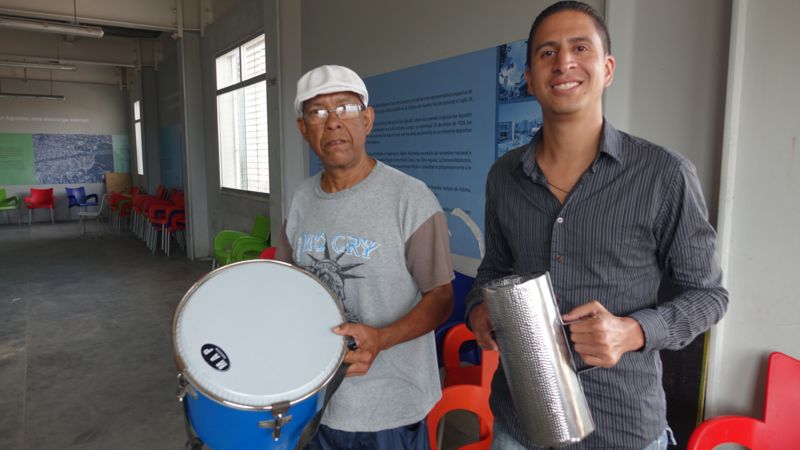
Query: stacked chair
<point>164,217</point>
<point>9,204</point>
<point>462,284</point>
<point>465,387</point>
<point>120,205</point>
<point>176,225</point>
<point>139,205</point>
<point>468,371</point>
<point>40,199</point>
<point>233,245</point>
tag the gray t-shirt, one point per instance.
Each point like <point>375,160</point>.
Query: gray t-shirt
<point>377,245</point>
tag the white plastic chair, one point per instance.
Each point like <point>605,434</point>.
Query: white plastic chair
<point>88,215</point>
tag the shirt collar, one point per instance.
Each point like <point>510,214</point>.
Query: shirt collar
<point>610,144</point>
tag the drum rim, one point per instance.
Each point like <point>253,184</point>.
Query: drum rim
<point>182,366</point>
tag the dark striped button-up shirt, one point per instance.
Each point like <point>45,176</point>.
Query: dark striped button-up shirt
<point>635,214</point>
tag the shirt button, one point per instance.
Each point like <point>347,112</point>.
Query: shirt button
<point>560,220</point>
<point>560,258</point>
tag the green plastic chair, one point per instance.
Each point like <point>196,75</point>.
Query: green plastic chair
<point>248,248</point>
<point>9,204</point>
<point>245,244</point>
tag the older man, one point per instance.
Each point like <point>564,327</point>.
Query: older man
<point>607,214</point>
<point>378,238</point>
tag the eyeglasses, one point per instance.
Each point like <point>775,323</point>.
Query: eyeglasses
<point>320,116</point>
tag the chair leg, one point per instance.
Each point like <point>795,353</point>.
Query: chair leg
<point>29,217</point>
<point>52,219</point>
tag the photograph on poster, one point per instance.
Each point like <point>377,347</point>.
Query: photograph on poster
<point>72,158</point>
<point>516,124</point>
<point>511,85</point>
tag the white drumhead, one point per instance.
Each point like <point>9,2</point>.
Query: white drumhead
<point>258,332</point>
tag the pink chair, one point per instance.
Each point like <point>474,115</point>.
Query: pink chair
<point>40,198</point>
<point>780,428</point>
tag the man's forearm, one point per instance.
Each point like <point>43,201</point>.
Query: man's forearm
<point>433,308</point>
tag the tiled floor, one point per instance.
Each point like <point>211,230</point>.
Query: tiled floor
<point>85,350</point>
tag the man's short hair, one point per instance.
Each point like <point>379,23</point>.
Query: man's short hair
<point>599,23</point>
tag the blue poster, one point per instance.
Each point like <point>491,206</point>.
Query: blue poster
<point>446,122</point>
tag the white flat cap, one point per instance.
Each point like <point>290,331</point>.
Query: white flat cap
<point>327,80</point>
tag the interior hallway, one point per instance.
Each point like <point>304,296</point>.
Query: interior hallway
<point>85,342</point>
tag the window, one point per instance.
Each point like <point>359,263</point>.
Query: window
<point>137,128</point>
<point>242,118</point>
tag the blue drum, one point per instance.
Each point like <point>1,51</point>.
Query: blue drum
<point>256,354</point>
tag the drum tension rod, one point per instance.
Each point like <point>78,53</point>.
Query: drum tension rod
<point>279,411</point>
<point>183,388</point>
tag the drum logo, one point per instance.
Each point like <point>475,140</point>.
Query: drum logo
<point>215,357</point>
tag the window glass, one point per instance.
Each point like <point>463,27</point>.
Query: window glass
<point>137,128</point>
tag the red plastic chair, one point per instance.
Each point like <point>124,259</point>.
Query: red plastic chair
<point>466,388</point>
<point>466,397</point>
<point>780,428</point>
<point>139,211</point>
<point>455,373</point>
<point>120,205</point>
<point>159,214</point>
<point>176,223</point>
<point>40,198</point>
<point>268,253</point>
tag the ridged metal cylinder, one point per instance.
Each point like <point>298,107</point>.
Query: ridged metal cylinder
<point>537,361</point>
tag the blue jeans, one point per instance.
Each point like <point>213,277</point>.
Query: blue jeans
<point>408,437</point>
<point>504,441</point>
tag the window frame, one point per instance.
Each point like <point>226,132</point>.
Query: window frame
<point>241,84</point>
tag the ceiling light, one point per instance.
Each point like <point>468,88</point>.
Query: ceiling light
<point>37,65</point>
<point>15,23</point>
<point>33,96</point>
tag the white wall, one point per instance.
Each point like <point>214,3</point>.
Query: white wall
<point>760,217</point>
<point>87,109</point>
<point>671,75</point>
<point>386,36</point>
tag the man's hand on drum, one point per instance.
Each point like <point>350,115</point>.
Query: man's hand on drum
<point>481,326</point>
<point>368,342</point>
